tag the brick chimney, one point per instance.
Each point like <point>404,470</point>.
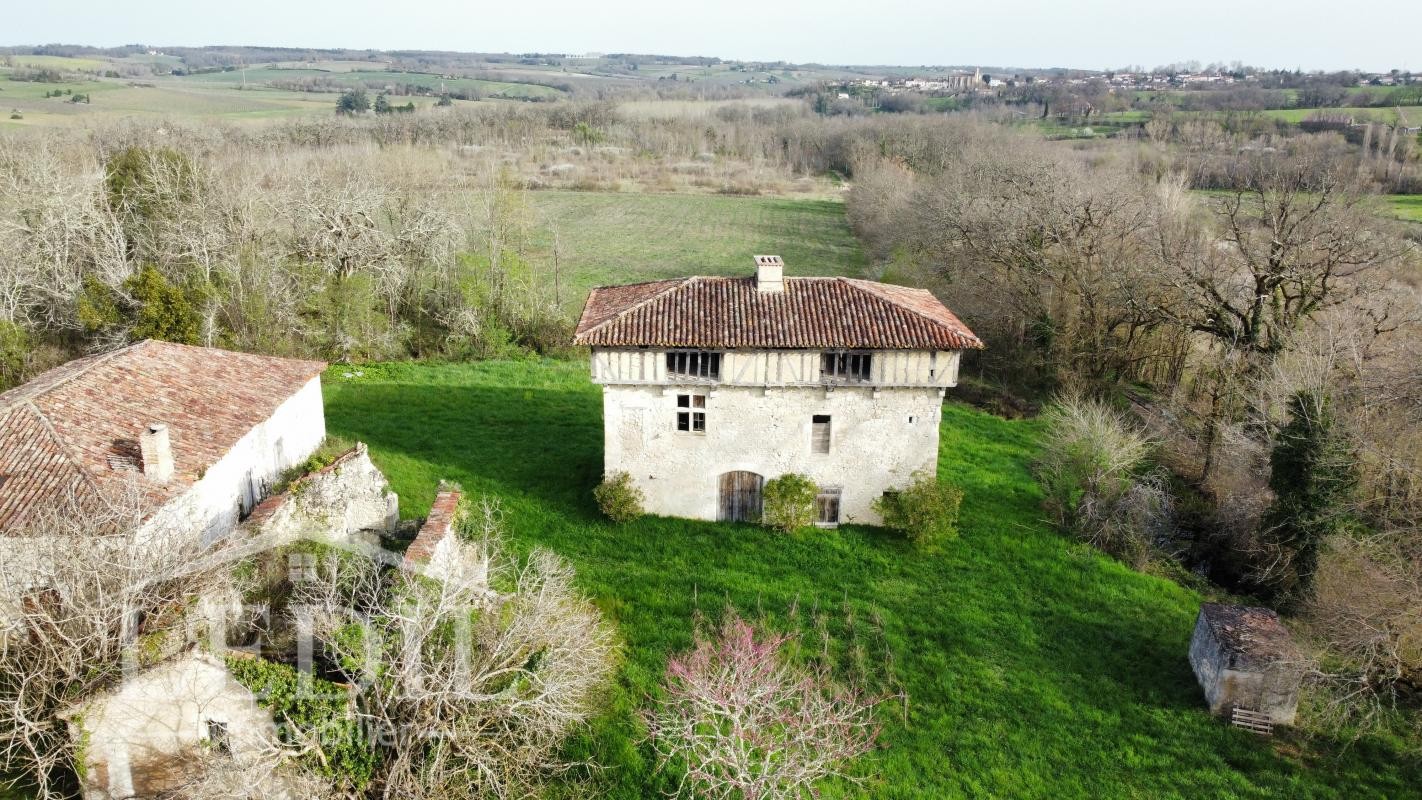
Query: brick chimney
<point>157,452</point>
<point>769,274</point>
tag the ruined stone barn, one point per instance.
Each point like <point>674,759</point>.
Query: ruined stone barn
<point>1245,660</point>
<point>197,433</point>
<point>713,385</point>
<point>148,735</point>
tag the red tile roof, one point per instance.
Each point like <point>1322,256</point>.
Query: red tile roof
<point>76,428</point>
<point>811,313</point>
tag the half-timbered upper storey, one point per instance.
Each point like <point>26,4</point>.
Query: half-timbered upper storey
<point>769,330</point>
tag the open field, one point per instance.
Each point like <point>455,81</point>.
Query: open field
<point>1385,114</point>
<point>1407,206</point>
<point>657,109</point>
<point>334,66</point>
<point>59,62</point>
<point>1032,666</point>
<point>608,237</point>
<point>370,77</point>
<point>113,98</point>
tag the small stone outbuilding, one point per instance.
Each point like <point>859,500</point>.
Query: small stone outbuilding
<point>1244,658</point>
<point>146,736</point>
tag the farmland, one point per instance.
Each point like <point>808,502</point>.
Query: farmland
<point>605,237</point>
<point>1030,666</point>
<point>372,79</point>
<point>1385,114</point>
<point>117,99</point>
<point>258,92</point>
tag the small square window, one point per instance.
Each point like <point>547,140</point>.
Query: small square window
<point>218,737</point>
<point>691,413</point>
<point>301,567</point>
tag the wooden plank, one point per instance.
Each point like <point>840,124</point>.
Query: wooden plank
<point>1252,721</point>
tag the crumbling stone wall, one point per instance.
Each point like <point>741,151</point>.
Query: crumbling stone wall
<point>344,499</point>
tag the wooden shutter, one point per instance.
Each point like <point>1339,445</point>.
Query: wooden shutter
<point>820,433</point>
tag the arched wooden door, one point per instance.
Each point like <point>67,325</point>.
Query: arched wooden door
<point>740,497</point>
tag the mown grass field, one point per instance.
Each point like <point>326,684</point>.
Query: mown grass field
<point>1032,667</point>
<point>611,237</point>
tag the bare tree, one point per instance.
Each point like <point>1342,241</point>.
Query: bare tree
<point>472,688</point>
<point>80,582</point>
<point>1298,238</point>
<point>748,725</point>
<point>1367,613</point>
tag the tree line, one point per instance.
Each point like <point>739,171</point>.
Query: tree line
<point>1236,373</point>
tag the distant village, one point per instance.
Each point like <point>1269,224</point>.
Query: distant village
<point>963,82</point>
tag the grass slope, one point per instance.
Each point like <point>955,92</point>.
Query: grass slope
<point>611,237</point>
<point>1033,667</point>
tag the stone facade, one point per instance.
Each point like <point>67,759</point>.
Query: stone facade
<point>879,436</point>
<point>345,498</point>
<point>139,737</point>
<point>1244,657</point>
<point>232,486</point>
<point>714,385</point>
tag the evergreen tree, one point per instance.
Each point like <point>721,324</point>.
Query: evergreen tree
<point>382,104</point>
<point>1312,474</point>
<point>355,101</point>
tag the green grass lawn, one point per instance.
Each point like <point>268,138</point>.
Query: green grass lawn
<point>610,237</point>
<point>1407,206</point>
<point>1385,114</point>
<point>1032,666</point>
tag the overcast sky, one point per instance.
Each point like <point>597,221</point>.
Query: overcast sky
<point>1092,34</point>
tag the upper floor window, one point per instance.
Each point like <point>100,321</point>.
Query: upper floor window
<point>691,413</point>
<point>694,364</point>
<point>820,433</point>
<point>845,366</point>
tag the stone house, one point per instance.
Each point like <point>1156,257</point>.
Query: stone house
<point>713,385</point>
<point>199,433</point>
<point>1244,658</point>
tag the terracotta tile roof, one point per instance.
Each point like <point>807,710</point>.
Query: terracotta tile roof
<point>77,426</point>
<point>731,313</point>
<point>437,525</point>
